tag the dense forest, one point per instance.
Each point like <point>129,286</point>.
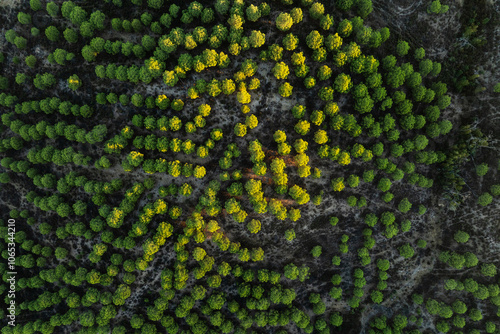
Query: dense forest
<point>240,166</point>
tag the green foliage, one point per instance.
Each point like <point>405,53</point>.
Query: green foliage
<point>405,205</point>
<point>302,127</point>
<point>461,236</point>
<point>316,10</point>
<point>314,40</point>
<point>240,130</point>
<point>285,89</point>
<point>488,270</point>
<point>435,7</point>
<point>402,48</point>
<point>256,39</point>
<point>384,184</point>
<point>280,70</point>
<point>284,21</point>
<point>254,226</point>
<point>496,88</point>
<point>343,83</point>
<point>316,251</point>
<point>406,251</point>
<point>74,82</point>
<point>52,33</point>
<point>484,199</point>
<point>482,169</point>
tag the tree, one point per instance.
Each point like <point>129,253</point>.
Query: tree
<point>316,251</point>
<point>177,105</point>
<point>316,10</point>
<point>281,70</point>
<point>406,251</point>
<point>488,269</point>
<point>61,253</point>
<point>302,127</point>
<point>336,318</point>
<point>484,199</point>
<point>30,61</point>
<point>257,39</point>
<point>89,55</point>
<point>364,7</point>
<point>291,271</point>
<point>52,33</point>
<point>475,314</point>
<point>300,145</point>
<point>377,297</point>
<point>389,62</point>
<point>344,159</point>
<point>97,20</point>
<point>285,89</point>
<point>338,184</point>
<point>314,40</point>
<point>384,184</point>
<point>222,6</point>
<point>284,21</point>
<point>290,234</point>
<point>80,208</point>
<point>326,22</point>
<point>240,129</point>
<point>405,205</point>
<point>343,83</point>
<point>44,81</point>
<point>35,5</point>
<point>309,82</point>
<point>253,13</point>
<point>170,78</point>
<point>435,7</point>
<point>87,318</point>
<point>23,18</point>
<point>254,226</point>
<point>74,82</point>
<point>243,96</point>
<point>77,15</point>
<point>321,137</point>
<point>402,48</point>
<point>70,35</point>
<point>199,253</point>
<point>297,15</point>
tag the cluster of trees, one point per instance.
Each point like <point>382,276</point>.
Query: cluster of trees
<point>225,162</point>
<point>233,207</point>
<point>458,260</point>
<point>165,123</point>
<point>57,203</point>
<point>210,203</point>
<point>160,165</point>
<point>435,7</point>
<point>299,195</point>
<point>277,208</point>
<point>455,312</point>
<point>61,129</point>
<point>257,156</point>
<point>164,144</point>
<point>255,193</point>
<point>399,323</point>
<point>59,56</point>
<point>48,105</point>
<point>49,154</point>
